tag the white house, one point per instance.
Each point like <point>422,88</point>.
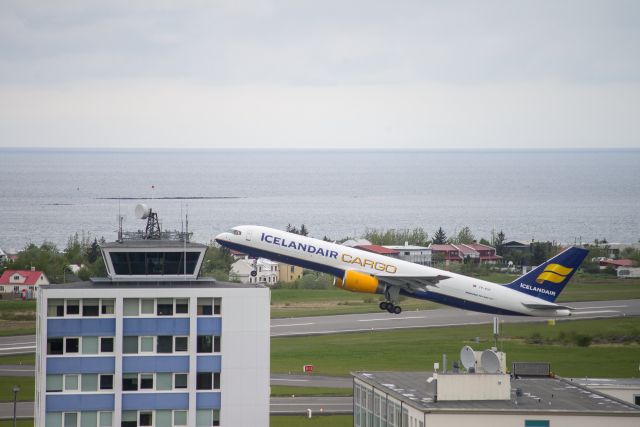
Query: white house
<point>17,281</point>
<point>267,272</point>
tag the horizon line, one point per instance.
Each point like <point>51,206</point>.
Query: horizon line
<point>312,149</point>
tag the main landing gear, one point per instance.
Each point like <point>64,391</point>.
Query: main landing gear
<point>390,307</point>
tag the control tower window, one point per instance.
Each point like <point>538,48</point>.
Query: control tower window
<point>154,263</point>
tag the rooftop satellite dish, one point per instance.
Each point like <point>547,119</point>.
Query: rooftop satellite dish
<point>468,357</point>
<point>490,362</point>
<point>142,211</point>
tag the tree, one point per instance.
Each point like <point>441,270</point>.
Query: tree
<point>93,251</point>
<point>303,230</point>
<point>440,237</point>
<point>465,236</point>
<point>485,242</point>
<point>499,242</point>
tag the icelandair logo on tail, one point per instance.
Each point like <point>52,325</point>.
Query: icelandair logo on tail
<point>554,273</point>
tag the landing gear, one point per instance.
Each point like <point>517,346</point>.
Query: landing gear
<point>393,309</point>
<point>391,294</point>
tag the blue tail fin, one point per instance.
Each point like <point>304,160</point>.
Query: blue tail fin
<point>547,280</point>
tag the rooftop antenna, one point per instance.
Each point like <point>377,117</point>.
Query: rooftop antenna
<point>120,218</point>
<point>468,358</point>
<point>152,230</point>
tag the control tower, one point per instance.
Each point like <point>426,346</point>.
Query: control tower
<point>153,343</point>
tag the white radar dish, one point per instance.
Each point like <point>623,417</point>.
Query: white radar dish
<point>468,357</point>
<point>490,362</point>
<point>142,211</point>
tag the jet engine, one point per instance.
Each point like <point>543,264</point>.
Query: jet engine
<point>355,281</point>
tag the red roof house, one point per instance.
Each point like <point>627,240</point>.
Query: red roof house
<point>617,263</point>
<point>17,280</point>
<point>379,250</point>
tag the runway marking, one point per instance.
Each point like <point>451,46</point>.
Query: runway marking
<point>603,306</point>
<point>16,348</point>
<point>596,312</point>
<point>392,318</point>
<point>20,343</point>
<point>284,379</point>
<point>293,324</point>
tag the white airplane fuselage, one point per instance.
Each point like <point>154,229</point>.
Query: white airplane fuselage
<point>455,289</point>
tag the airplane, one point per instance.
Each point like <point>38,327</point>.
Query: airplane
<point>532,294</point>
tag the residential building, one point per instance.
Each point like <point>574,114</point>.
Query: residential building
<point>22,281</point>
<point>628,272</point>
<point>266,271</point>
<point>152,344</point>
<point>615,263</point>
<point>448,252</point>
<point>355,242</point>
<point>412,253</point>
<point>380,250</point>
<point>289,273</point>
<point>3,256</point>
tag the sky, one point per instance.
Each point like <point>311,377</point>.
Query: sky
<point>320,74</point>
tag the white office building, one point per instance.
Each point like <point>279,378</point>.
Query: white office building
<point>152,345</point>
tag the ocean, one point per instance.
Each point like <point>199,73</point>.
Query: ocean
<point>562,196</point>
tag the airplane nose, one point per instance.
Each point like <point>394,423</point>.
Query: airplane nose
<point>222,238</point>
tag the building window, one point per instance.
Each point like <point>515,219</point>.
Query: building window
<point>129,419</point>
<point>146,381</point>
<point>55,346</point>
<point>205,306</point>
<point>165,344</point>
<point>179,418</point>
<point>536,423</point>
<point>90,308</point>
<point>181,343</point>
<point>54,383</point>
<point>165,307</point>
<point>105,419</point>
<point>107,306</point>
<point>106,345</point>
<point>129,382</point>
<point>71,382</point>
<point>70,419</point>
<point>55,308</point>
<point>205,343</point>
<point>636,399</point>
<point>106,382</point>
<point>89,345</point>
<point>146,418</point>
<point>72,345</point>
<point>131,306</point>
<point>208,381</point>
<point>182,306</point>
<point>180,381</point>
<point>147,306</point>
<point>89,382</point>
<point>207,417</point>
<point>73,307</point>
<point>130,345</point>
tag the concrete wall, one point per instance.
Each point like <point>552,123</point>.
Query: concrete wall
<point>473,387</point>
<point>498,420</point>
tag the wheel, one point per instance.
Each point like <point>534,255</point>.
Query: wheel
<point>383,305</point>
<point>397,309</point>
<point>390,307</point>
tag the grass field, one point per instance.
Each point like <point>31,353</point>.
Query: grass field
<point>280,390</point>
<point>417,349</point>
<point>19,359</point>
<point>316,421</point>
<point>27,388</point>
<point>20,423</point>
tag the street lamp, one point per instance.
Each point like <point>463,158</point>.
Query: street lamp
<point>16,389</point>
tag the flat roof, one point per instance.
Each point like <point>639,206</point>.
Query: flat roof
<point>538,395</point>
<point>153,243</point>
<point>608,382</point>
<point>102,283</point>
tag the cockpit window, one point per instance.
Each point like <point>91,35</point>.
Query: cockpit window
<point>236,232</point>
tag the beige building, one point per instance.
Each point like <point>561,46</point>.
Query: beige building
<point>289,273</point>
<point>420,399</point>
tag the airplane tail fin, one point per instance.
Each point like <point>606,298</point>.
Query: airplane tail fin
<point>547,280</point>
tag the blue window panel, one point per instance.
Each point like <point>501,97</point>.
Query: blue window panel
<point>209,363</point>
<point>136,401</point>
<point>81,327</point>
<point>81,365</point>
<point>536,423</point>
<point>79,402</point>
<point>156,326</point>
<point>208,400</point>
<point>209,325</point>
<point>135,364</point>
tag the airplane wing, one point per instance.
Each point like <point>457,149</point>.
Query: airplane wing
<point>412,283</point>
<point>546,306</point>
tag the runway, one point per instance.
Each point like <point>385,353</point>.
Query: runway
<point>323,325</point>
